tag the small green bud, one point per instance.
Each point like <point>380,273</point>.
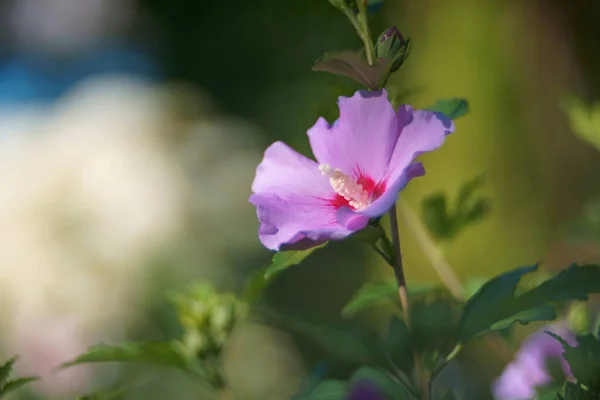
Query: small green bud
<point>221,318</point>
<point>391,45</point>
<point>195,342</point>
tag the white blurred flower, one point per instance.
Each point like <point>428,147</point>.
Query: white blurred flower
<point>91,191</point>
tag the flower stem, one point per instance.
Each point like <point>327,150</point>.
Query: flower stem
<point>364,32</point>
<point>402,293</point>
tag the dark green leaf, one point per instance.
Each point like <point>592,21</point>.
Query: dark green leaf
<point>452,108</point>
<point>344,343</point>
<point>445,222</point>
<point>398,337</point>
<point>329,389</point>
<point>157,353</point>
<point>434,324</point>
<point>369,295</point>
<point>492,303</point>
<point>449,395</point>
<point>573,283</point>
<point>353,65</point>
<point>574,391</point>
<point>382,381</point>
<point>15,384</point>
<point>8,385</point>
<point>584,360</point>
<point>6,370</point>
<point>495,305</point>
<point>542,313</point>
<point>370,234</point>
<point>435,214</point>
<point>285,259</point>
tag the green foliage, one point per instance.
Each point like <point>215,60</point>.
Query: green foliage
<point>584,120</point>
<point>155,353</point>
<point>329,389</point>
<point>208,317</point>
<point>369,295</point>
<point>281,261</point>
<point>495,306</point>
<point>379,380</point>
<point>397,343</point>
<point>109,394</point>
<point>444,222</point>
<point>7,385</point>
<point>284,259</point>
<point>449,395</point>
<point>452,108</point>
<point>344,343</point>
<point>389,388</point>
<point>584,361</point>
<point>576,392</point>
<point>587,226</point>
<point>353,65</point>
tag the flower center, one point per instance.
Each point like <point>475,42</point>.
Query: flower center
<point>347,187</point>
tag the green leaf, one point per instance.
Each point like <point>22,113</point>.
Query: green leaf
<point>584,120</point>
<point>370,295</point>
<point>156,353</point>
<point>369,234</point>
<point>435,215</point>
<point>445,222</point>
<point>329,389</point>
<point>574,391</point>
<point>542,313</point>
<point>584,360</point>
<point>8,385</point>
<point>353,65</point>
<point>495,305</point>
<point>13,385</point>
<point>285,259</point>
<point>110,394</point>
<point>492,303</point>
<point>6,370</point>
<point>452,108</point>
<point>344,343</point>
<point>382,380</point>
<point>449,395</point>
<point>398,337</point>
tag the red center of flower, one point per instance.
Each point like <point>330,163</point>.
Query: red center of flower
<point>363,190</point>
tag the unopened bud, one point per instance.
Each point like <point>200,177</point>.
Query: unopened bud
<point>391,45</point>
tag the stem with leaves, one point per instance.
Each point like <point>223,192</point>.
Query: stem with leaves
<point>360,23</point>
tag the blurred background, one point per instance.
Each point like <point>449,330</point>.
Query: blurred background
<point>130,131</point>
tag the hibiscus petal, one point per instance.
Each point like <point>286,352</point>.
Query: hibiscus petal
<point>364,136</point>
<point>295,223</point>
<point>389,197</point>
<point>287,173</point>
<point>421,131</point>
<point>289,191</point>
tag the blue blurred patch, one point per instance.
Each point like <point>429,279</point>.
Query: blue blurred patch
<point>26,78</point>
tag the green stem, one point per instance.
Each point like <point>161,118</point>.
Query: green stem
<point>402,293</point>
<point>364,31</point>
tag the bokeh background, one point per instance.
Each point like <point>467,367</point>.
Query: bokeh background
<point>129,135</point>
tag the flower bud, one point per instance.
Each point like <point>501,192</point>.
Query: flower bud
<point>221,318</point>
<point>195,342</point>
<point>391,45</point>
